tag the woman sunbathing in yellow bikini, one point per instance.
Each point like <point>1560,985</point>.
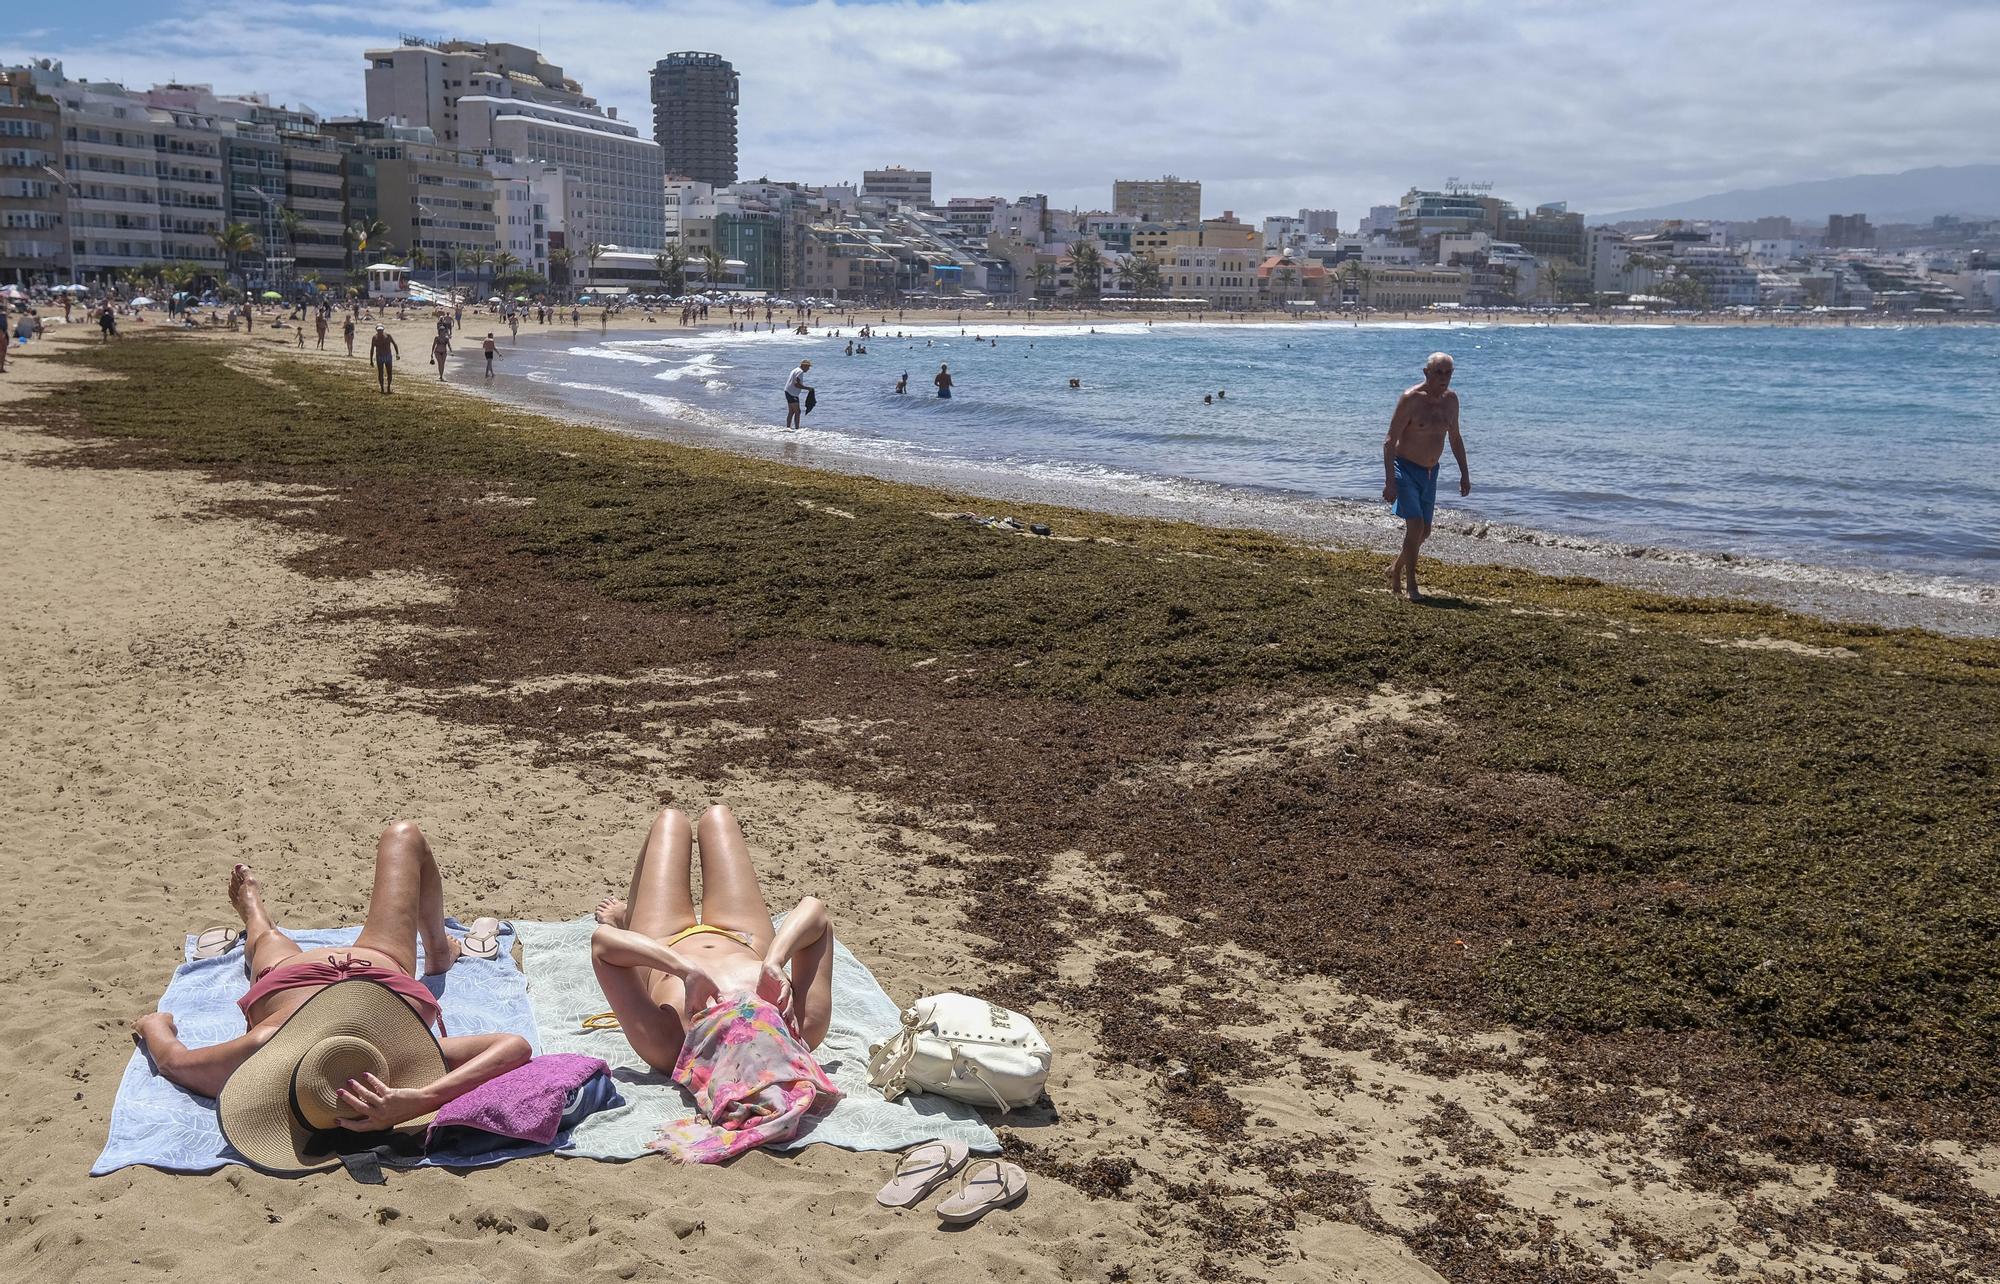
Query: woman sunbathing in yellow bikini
<point>661,964</point>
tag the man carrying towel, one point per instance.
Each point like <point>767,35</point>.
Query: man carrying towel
<point>796,388</point>
<point>1426,416</point>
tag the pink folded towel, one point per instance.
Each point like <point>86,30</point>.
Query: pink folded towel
<point>525,1103</point>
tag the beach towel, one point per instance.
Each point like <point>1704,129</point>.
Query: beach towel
<point>751,1080</point>
<point>563,990</point>
<point>156,1123</point>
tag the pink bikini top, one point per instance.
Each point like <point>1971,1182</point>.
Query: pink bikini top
<point>318,972</point>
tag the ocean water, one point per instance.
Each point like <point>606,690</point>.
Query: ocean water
<point>1870,450</point>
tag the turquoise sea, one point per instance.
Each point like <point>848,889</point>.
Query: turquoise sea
<point>1868,451</point>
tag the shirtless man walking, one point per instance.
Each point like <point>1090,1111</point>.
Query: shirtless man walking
<point>1426,417</point>
<point>382,351</point>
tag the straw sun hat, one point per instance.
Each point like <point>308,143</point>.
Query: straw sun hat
<point>279,1109</point>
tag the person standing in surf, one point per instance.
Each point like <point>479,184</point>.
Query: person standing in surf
<point>1426,417</point>
<point>796,388</point>
<point>943,381</point>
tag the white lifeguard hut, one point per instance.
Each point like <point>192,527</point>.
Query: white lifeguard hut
<point>389,282</point>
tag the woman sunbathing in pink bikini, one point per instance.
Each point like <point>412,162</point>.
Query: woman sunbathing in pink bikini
<point>407,903</point>
<point>705,997</point>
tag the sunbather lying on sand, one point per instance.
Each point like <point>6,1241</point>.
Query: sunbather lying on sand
<point>322,1052</point>
<point>662,964</point>
<point>704,996</point>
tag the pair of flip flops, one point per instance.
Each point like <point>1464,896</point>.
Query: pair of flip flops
<point>989,1183</point>
<point>481,941</point>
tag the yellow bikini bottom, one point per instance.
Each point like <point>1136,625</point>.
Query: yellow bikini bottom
<point>609,1020</point>
<point>699,928</point>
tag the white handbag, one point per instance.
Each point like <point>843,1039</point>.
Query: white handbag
<point>964,1048</point>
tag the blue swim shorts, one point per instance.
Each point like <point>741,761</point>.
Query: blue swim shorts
<point>1416,490</point>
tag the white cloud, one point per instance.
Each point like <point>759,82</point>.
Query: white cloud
<point>1273,105</point>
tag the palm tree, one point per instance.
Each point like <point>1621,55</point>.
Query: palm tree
<point>503,262</point>
<point>1151,279</point>
<point>1044,277</point>
<point>591,253</point>
<point>476,260</point>
<point>559,260</point>
<point>1088,268</point>
<point>236,240</point>
<point>1130,272</point>
<point>712,259</point>
<point>361,234</point>
<point>290,221</point>
<point>1284,278</point>
<point>671,264</point>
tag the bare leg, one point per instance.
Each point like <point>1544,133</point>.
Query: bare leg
<point>812,987</point>
<point>660,904</point>
<point>407,902</point>
<point>1414,531</point>
<point>264,945</point>
<point>729,894</point>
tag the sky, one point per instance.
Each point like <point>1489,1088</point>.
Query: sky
<point>1275,105</point>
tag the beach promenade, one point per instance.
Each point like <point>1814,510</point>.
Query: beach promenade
<point>1560,932</point>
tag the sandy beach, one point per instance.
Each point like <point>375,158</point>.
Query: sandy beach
<point>220,655</point>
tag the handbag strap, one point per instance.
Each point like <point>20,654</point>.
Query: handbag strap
<point>961,1065</point>
<point>894,1076</point>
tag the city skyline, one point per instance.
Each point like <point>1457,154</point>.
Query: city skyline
<point>1602,110</point>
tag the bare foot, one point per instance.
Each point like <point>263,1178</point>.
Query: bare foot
<point>1395,578</point>
<point>611,911</point>
<point>449,954</point>
<point>246,893</point>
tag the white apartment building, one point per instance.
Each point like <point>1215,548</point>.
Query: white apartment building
<point>529,202</point>
<point>109,160</point>
<point>508,105</point>
<point>1374,250</point>
<point>972,215</point>
<point>1281,231</point>
<point>1321,223</point>
<point>188,165</point>
<point>1381,218</point>
<point>897,185</point>
<point>682,196</point>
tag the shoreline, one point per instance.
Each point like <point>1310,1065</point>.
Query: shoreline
<point>1849,594</point>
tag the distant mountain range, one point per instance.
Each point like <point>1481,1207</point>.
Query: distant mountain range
<point>1913,196</point>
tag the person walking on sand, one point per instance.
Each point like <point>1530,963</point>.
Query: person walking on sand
<point>943,381</point>
<point>1426,417</point>
<point>347,333</point>
<point>796,388</point>
<point>382,352</point>
<point>489,348</point>
<point>440,349</point>
<point>319,328</point>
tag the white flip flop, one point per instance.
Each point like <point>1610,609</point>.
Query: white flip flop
<point>216,942</point>
<point>482,939</point>
<point>922,1170</point>
<point>989,1184</point>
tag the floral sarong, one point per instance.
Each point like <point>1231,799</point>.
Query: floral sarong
<point>752,1081</point>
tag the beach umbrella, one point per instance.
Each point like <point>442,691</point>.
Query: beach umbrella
<point>270,294</point>
<point>143,301</point>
